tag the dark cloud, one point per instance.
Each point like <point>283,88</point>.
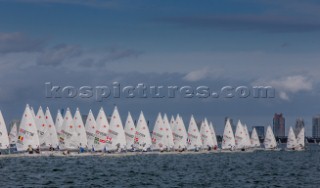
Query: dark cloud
<point>264,23</point>
<point>18,42</point>
<point>58,54</point>
<point>89,3</point>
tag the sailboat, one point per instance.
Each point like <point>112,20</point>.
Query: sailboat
<point>43,129</point>
<point>142,137</point>
<point>301,140</point>
<point>228,140</point>
<point>194,137</point>
<point>214,137</point>
<point>270,141</point>
<point>247,137</point>
<point>168,133</point>
<point>206,137</point>
<point>102,130</point>
<point>4,139</point>
<point>179,135</point>
<point>90,127</point>
<point>116,140</point>
<point>68,136</point>
<point>158,135</point>
<point>255,142</point>
<point>130,131</point>
<point>13,136</point>
<point>240,137</point>
<point>172,123</point>
<point>58,122</point>
<point>28,133</point>
<point>80,130</point>
<point>53,138</point>
<point>292,141</point>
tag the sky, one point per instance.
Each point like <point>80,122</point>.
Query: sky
<point>162,42</point>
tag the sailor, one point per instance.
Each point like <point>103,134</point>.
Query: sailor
<point>30,150</point>
<point>38,150</point>
<point>50,148</point>
<point>81,149</point>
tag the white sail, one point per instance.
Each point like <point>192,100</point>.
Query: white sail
<point>292,141</point>
<point>32,113</point>
<point>43,129</point>
<point>206,137</point>
<point>168,133</point>
<point>81,131</point>
<point>214,137</point>
<point>228,141</point>
<point>142,137</point>
<point>255,142</point>
<point>180,134</point>
<point>53,138</point>
<point>28,134</point>
<point>240,137</point>
<point>247,136</point>
<point>130,131</point>
<point>4,139</point>
<point>194,137</point>
<point>13,136</point>
<point>158,134</point>
<point>301,139</point>
<point>101,131</point>
<point>90,127</point>
<point>172,123</point>
<point>270,140</point>
<point>58,122</point>
<point>68,135</point>
<point>116,139</point>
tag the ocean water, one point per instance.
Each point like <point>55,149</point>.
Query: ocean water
<point>257,169</point>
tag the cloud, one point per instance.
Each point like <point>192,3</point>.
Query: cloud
<point>201,74</point>
<point>289,85</point>
<point>18,42</point>
<point>265,23</point>
<point>58,54</point>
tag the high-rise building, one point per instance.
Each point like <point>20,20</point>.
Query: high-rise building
<point>231,122</point>
<point>279,126</point>
<point>299,125</point>
<point>316,126</point>
<point>260,130</point>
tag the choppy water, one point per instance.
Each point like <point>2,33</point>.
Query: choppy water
<point>258,169</point>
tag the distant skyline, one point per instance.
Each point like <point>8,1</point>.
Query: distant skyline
<point>213,43</point>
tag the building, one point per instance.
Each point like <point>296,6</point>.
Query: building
<point>279,125</point>
<point>299,125</point>
<point>316,126</point>
<point>231,122</point>
<point>260,131</point>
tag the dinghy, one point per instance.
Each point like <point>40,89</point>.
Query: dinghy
<point>172,123</point>
<point>43,132</point>
<point>53,137</point>
<point>68,136</point>
<point>130,131</point>
<point>13,136</point>
<point>28,133</point>
<point>4,138</point>
<point>180,135</point>
<point>158,135</point>
<point>270,141</point>
<point>80,130</point>
<point>228,140</point>
<point>116,140</point>
<point>194,137</point>
<point>102,130</point>
<point>301,140</point>
<point>255,142</point>
<point>90,127</point>
<point>142,137</point>
<point>247,137</point>
<point>292,141</point>
<point>206,137</point>
<point>214,137</point>
<point>240,137</point>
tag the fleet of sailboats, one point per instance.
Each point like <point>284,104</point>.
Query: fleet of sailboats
<point>69,133</point>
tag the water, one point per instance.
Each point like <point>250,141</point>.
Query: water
<point>258,169</point>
